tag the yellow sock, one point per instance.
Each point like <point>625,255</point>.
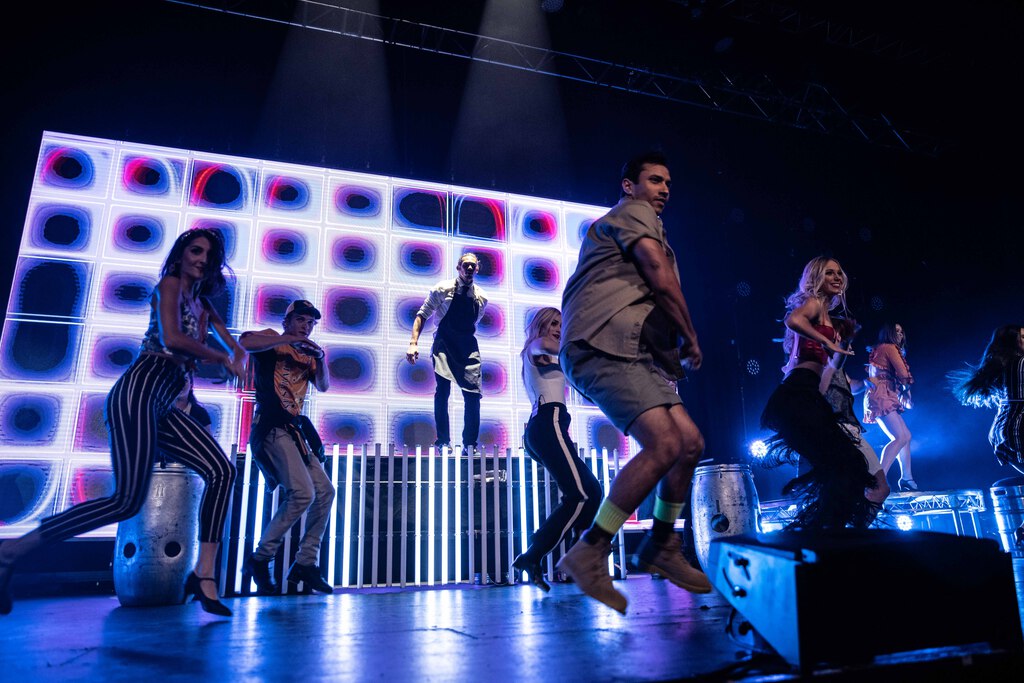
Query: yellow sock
<point>666,511</point>
<point>610,518</point>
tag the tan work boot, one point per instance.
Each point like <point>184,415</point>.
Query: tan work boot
<point>587,565</point>
<point>668,561</point>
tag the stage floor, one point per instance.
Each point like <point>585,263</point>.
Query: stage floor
<point>463,633</point>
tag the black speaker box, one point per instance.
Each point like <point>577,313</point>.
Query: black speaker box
<point>847,596</point>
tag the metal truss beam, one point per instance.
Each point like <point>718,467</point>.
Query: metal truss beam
<point>808,107</point>
<point>832,32</point>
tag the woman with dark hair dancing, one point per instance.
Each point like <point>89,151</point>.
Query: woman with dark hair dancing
<point>805,427</point>
<point>888,396</point>
<point>998,382</point>
<point>548,442</point>
<point>143,419</point>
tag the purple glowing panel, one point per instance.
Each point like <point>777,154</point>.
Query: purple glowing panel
<point>479,218</point>
<point>537,226</point>
<point>61,227</point>
<point>352,369</point>
<point>415,379</point>
<point>412,428</point>
<point>353,255</point>
<point>405,308</point>
<point>67,168</point>
<point>111,354</point>
<point>127,293</point>
<point>347,426</point>
<point>349,310</point>
<point>577,222</point>
<point>493,378</point>
<point>28,489</point>
<point>494,432</point>
<point>90,427</point>
<point>282,193</point>
<point>357,201</point>
<point>50,289</point>
<point>603,434</point>
<point>139,234</point>
<point>39,351</point>
<point>492,265</point>
<point>89,482</point>
<point>538,274</point>
<point>219,186</point>
<point>30,420</point>
<point>285,247</point>
<point>420,209</point>
<point>492,324</point>
<point>271,301</point>
<point>150,177</point>
<point>421,259</point>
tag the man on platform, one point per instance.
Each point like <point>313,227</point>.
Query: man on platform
<point>624,315</point>
<point>457,305</point>
<point>286,446</point>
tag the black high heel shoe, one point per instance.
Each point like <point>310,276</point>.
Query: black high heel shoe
<point>192,585</point>
<point>534,570</point>
<point>908,485</point>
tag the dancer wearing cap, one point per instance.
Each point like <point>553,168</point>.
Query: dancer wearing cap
<point>286,447</point>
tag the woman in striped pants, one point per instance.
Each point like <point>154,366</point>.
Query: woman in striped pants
<point>548,442</point>
<point>143,420</point>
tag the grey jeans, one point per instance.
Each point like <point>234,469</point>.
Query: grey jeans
<point>303,487</point>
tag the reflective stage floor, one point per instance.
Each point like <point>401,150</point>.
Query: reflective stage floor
<point>463,633</point>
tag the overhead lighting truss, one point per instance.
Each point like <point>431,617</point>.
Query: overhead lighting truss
<point>808,107</point>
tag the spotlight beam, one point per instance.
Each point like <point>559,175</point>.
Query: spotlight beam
<point>810,106</point>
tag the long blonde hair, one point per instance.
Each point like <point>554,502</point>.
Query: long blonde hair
<point>809,287</point>
<point>535,330</point>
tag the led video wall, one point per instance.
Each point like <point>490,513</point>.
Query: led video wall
<point>364,248</point>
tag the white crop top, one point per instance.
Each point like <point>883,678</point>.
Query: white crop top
<point>544,383</point>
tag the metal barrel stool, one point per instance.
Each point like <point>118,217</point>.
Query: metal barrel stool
<point>723,502</point>
<point>1008,505</point>
<point>157,548</point>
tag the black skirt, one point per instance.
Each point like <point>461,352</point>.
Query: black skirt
<point>806,432</point>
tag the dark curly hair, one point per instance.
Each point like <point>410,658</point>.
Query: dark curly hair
<point>980,385</point>
<point>214,281</point>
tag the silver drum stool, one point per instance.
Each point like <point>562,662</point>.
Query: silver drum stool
<point>157,548</point>
<point>723,503</point>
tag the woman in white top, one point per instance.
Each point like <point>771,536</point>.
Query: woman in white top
<point>548,442</point>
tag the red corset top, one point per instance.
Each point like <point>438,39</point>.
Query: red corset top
<point>811,350</point>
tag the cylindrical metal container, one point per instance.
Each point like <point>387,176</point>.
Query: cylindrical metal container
<point>1008,506</point>
<point>723,503</point>
<point>157,548</point>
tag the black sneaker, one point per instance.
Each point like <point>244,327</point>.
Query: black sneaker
<point>259,571</point>
<point>310,575</point>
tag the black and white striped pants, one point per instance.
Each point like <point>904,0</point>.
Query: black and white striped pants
<point>143,422</point>
<point>548,442</point>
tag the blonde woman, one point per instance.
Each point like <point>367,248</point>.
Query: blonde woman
<point>806,429</point>
<point>548,442</point>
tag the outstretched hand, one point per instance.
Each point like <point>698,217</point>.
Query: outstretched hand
<point>836,348</point>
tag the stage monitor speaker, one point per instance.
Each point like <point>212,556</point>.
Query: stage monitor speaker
<point>846,596</point>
